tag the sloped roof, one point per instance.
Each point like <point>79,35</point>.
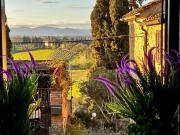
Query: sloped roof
<point>150,9</point>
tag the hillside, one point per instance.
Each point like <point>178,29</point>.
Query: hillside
<point>48,31</point>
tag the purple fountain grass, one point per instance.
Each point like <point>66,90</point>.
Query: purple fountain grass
<point>177,54</point>
<point>128,69</point>
<point>142,94</point>
<point>177,58</point>
<point>166,66</point>
<point>19,88</point>
<point>27,68</point>
<point>7,73</point>
<point>109,84</point>
<point>126,66</point>
<point>16,67</point>
<point>32,58</point>
<point>150,60</point>
<point>21,72</point>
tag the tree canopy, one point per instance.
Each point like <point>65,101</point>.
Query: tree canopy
<point>109,33</point>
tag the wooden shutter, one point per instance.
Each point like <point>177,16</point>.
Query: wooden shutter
<point>131,40</point>
<point>158,45</point>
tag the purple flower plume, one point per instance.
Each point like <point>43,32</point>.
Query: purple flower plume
<point>123,66</point>
<point>7,73</point>
<point>149,58</point>
<point>32,58</point>
<point>128,82</point>
<point>126,66</point>
<point>26,68</point>
<point>107,83</point>
<point>166,66</point>
<point>177,56</point>
<point>16,67</point>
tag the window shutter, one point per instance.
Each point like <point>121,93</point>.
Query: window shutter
<point>131,39</point>
<point>158,46</point>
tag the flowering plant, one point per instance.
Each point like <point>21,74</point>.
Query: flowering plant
<point>148,97</point>
<point>16,98</point>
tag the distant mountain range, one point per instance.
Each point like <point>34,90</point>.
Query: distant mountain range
<point>48,31</point>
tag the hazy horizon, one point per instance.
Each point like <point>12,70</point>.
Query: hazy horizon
<point>54,26</point>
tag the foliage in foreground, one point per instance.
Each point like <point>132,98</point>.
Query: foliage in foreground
<point>16,97</point>
<point>150,98</point>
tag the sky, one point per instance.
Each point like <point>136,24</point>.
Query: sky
<point>57,13</point>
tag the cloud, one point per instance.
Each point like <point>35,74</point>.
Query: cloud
<point>78,7</point>
<point>48,1</point>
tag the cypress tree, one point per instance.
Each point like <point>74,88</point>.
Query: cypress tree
<point>100,22</point>
<point>119,45</point>
<point>9,43</point>
<point>105,21</point>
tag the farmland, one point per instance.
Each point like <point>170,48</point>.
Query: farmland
<point>77,75</point>
<point>38,55</point>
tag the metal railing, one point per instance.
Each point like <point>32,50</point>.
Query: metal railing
<point>43,113</point>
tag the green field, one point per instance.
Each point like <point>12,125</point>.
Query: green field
<point>38,55</point>
<point>77,75</point>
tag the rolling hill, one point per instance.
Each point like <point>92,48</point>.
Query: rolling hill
<point>48,31</point>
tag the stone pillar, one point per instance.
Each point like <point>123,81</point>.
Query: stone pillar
<point>56,106</point>
<point>59,103</point>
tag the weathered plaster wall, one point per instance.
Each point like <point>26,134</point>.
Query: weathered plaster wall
<point>139,43</point>
<point>139,39</point>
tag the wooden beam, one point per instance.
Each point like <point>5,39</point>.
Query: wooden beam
<point>1,84</point>
<point>1,38</point>
<point>172,26</point>
<point>3,27</point>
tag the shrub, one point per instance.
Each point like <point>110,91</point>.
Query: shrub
<point>83,117</point>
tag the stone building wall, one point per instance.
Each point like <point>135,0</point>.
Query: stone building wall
<point>60,115</point>
<point>139,43</point>
<point>138,50</point>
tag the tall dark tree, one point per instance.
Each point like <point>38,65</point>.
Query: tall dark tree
<point>119,29</point>
<point>107,30</point>
<point>8,40</point>
<point>101,23</point>
<point>9,43</point>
